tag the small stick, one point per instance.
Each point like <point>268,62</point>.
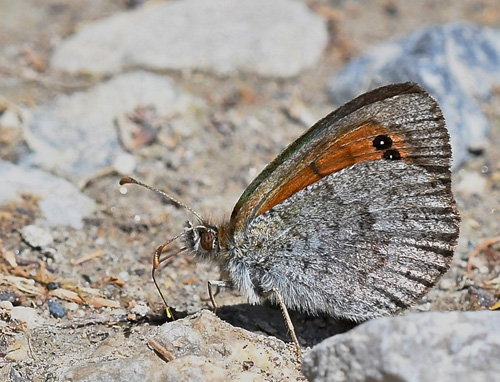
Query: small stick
<point>480,248</point>
<point>160,349</point>
<point>93,255</point>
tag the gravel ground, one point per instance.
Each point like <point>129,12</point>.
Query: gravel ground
<point>248,120</point>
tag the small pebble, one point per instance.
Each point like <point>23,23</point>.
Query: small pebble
<point>52,285</point>
<point>72,306</point>
<point>56,309</point>
<point>36,237</point>
<point>447,284</point>
<point>10,297</point>
<point>7,305</point>
<point>140,310</point>
<point>125,276</point>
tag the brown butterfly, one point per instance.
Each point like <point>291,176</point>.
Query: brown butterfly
<point>355,219</point>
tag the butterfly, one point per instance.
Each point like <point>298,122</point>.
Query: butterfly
<point>355,219</point>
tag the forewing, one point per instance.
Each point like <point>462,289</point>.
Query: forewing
<point>362,242</point>
<point>404,113</point>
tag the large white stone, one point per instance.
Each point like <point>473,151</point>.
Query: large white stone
<point>271,38</point>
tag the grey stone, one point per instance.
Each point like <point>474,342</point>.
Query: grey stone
<point>16,376</point>
<point>56,310</point>
<point>75,136</point>
<point>61,202</point>
<point>271,38</point>
<point>456,346</point>
<point>458,63</point>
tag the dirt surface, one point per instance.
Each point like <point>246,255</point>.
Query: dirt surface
<point>249,120</point>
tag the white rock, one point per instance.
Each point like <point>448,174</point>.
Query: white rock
<point>61,202</point>
<point>124,163</point>
<point>7,305</point>
<point>125,276</point>
<point>10,119</point>
<point>271,38</point>
<point>141,309</point>
<point>471,183</point>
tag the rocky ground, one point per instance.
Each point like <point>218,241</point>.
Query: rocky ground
<point>79,108</point>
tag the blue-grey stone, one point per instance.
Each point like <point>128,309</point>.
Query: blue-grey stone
<point>457,63</point>
<point>434,346</point>
<point>56,309</point>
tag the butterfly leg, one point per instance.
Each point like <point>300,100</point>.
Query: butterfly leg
<point>218,284</point>
<point>288,321</point>
<point>217,290</point>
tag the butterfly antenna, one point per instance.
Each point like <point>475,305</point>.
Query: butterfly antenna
<point>129,180</point>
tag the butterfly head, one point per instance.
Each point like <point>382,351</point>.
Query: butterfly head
<point>202,240</point>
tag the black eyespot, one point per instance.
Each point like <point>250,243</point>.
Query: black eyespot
<point>382,142</point>
<point>392,155</point>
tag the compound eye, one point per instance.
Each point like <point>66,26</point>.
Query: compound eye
<point>207,240</point>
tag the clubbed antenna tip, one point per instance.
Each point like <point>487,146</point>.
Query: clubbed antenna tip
<point>129,180</point>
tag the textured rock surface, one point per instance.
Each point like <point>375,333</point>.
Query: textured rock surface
<point>457,63</point>
<point>457,346</point>
<point>272,38</point>
<point>203,344</point>
<point>203,348</point>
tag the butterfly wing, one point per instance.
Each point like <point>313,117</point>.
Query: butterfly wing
<point>355,218</point>
<point>365,241</point>
<point>398,121</point>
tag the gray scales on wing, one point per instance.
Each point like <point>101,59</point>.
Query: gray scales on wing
<point>364,241</point>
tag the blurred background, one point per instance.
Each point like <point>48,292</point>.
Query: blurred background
<point>196,97</point>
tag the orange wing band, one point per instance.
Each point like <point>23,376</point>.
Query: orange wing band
<point>355,146</point>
